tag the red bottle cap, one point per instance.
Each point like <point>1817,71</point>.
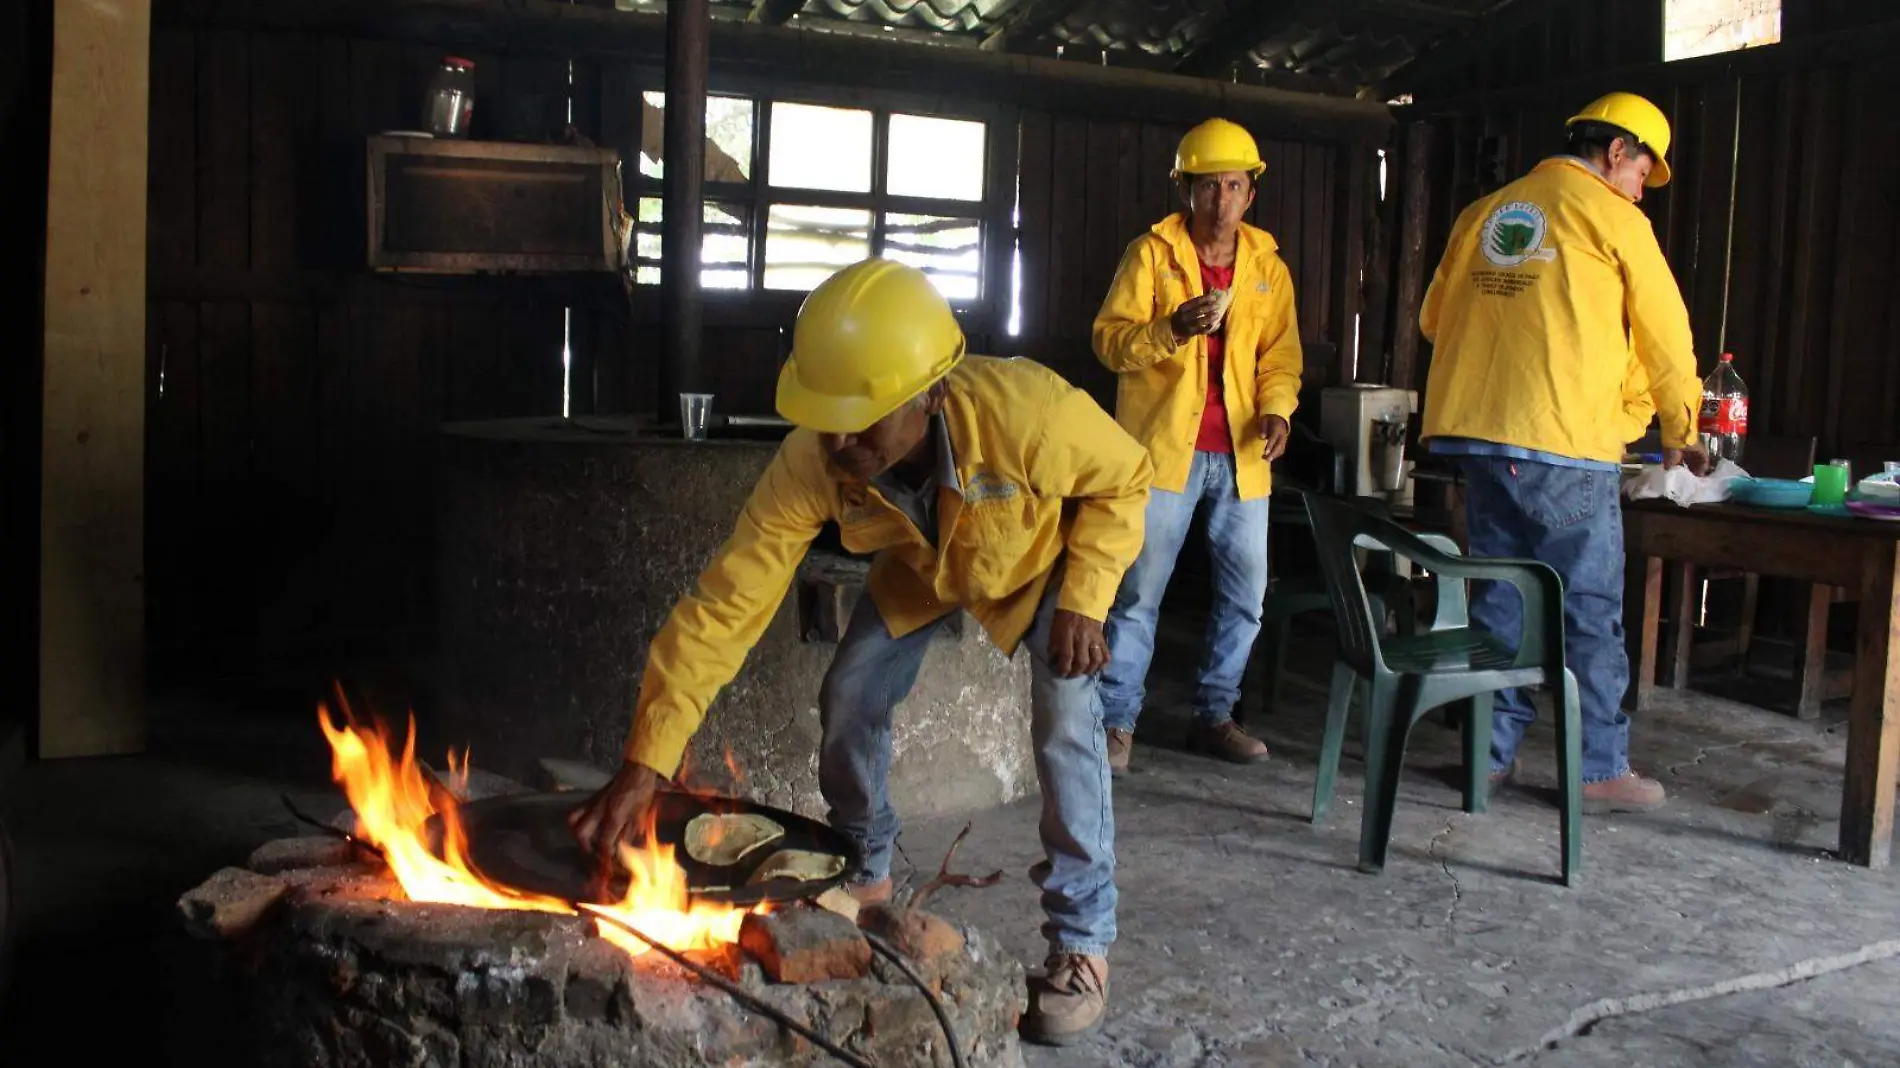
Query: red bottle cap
<point>1728,357</point>
<point>458,61</point>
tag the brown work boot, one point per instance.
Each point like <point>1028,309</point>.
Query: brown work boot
<point>1121,745</point>
<point>1227,741</point>
<point>1067,1003</point>
<point>1629,793</point>
<point>876,893</point>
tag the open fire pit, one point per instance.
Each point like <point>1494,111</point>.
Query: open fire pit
<point>393,950</point>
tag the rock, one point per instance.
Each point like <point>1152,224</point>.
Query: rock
<point>292,854</point>
<point>558,774</point>
<point>915,933</point>
<point>806,945</point>
<point>481,785</point>
<point>230,903</point>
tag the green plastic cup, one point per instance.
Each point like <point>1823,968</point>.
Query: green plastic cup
<point>1830,484</point>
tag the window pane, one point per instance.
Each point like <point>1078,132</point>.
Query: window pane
<point>820,148</point>
<point>1705,27</point>
<point>935,158</point>
<point>728,137</point>
<point>724,251</point>
<point>804,245</point>
<point>948,251</point>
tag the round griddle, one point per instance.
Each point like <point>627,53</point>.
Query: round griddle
<point>523,841</point>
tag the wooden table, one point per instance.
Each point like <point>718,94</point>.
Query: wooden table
<point>1858,554</point>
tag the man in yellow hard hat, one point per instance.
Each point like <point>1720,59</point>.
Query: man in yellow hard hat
<point>1547,291</point>
<point>981,484</point>
<point>1199,328</point>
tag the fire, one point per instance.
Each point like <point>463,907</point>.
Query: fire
<point>393,803</point>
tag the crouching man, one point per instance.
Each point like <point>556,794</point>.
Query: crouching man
<point>980,484</point>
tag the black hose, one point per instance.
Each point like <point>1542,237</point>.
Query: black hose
<point>889,953</point>
<point>732,989</point>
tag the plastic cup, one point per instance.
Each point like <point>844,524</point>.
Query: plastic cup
<point>1830,484</point>
<point>695,413</point>
<point>1891,467</point>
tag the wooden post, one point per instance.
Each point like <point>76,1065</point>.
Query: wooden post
<point>1873,725</point>
<point>688,31</point>
<point>92,518</point>
<point>1412,266</point>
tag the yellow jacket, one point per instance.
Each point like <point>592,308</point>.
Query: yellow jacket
<point>1545,289</point>
<point>1161,387</point>
<point>1045,473</point>
<point>1638,406</point>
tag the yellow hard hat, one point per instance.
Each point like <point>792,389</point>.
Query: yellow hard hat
<point>869,338</point>
<point>1217,146</point>
<point>1642,119</point>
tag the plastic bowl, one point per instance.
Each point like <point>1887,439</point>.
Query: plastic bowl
<point>1770,492</point>
<point>1881,488</point>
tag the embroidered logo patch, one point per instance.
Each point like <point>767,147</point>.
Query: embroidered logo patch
<point>988,486</point>
<point>1515,233</point>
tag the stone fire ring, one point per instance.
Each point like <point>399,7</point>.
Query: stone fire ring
<point>338,969</point>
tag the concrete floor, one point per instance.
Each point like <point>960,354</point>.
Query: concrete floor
<point>1248,937</point>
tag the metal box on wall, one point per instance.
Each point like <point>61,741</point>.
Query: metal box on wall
<point>468,206</point>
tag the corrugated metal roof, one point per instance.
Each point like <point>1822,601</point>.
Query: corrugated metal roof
<point>1349,41</point>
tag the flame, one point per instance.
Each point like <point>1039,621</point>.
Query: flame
<point>393,803</point>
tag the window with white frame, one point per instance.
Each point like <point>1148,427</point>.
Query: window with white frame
<point>796,190</point>
<point>1706,27</point>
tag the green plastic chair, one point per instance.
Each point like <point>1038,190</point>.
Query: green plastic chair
<point>1406,677</point>
<point>1293,596</point>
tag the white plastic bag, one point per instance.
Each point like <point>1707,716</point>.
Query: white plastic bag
<point>1678,485</point>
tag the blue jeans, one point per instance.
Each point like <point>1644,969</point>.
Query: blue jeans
<point>1571,519</point>
<point>1237,543</point>
<point>874,671</point>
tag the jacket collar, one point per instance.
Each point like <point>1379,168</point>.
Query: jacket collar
<point>1255,246</point>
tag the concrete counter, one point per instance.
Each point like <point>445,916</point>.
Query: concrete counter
<point>563,547</point>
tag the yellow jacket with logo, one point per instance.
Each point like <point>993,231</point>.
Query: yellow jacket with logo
<point>1045,473</point>
<point>1161,387</point>
<point>1545,289</point>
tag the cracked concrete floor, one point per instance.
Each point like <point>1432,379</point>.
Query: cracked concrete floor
<point>1248,937</point>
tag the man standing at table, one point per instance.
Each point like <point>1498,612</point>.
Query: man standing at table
<point>1199,329</point>
<point>1546,288</point>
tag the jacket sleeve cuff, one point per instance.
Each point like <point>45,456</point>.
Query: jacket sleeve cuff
<point>1161,335</point>
<point>657,746</point>
<point>1086,594</point>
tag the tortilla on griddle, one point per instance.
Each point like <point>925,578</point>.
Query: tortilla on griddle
<point>723,839</point>
<point>801,865</point>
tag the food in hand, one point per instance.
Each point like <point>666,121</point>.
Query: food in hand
<point>1222,298</point>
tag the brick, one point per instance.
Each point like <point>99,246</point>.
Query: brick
<point>915,933</point>
<point>806,945</point>
<point>292,854</point>
<point>230,903</point>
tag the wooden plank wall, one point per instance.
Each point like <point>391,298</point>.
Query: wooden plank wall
<point>1090,186</point>
<point>26,76</point>
<point>293,396</point>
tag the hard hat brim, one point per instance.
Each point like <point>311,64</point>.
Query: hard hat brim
<point>1659,174</point>
<point>1221,166</point>
<point>830,414</point>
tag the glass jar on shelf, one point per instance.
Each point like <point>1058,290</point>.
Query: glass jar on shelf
<point>451,98</point>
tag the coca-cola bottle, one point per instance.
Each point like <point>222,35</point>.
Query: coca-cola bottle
<point>1724,420</point>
